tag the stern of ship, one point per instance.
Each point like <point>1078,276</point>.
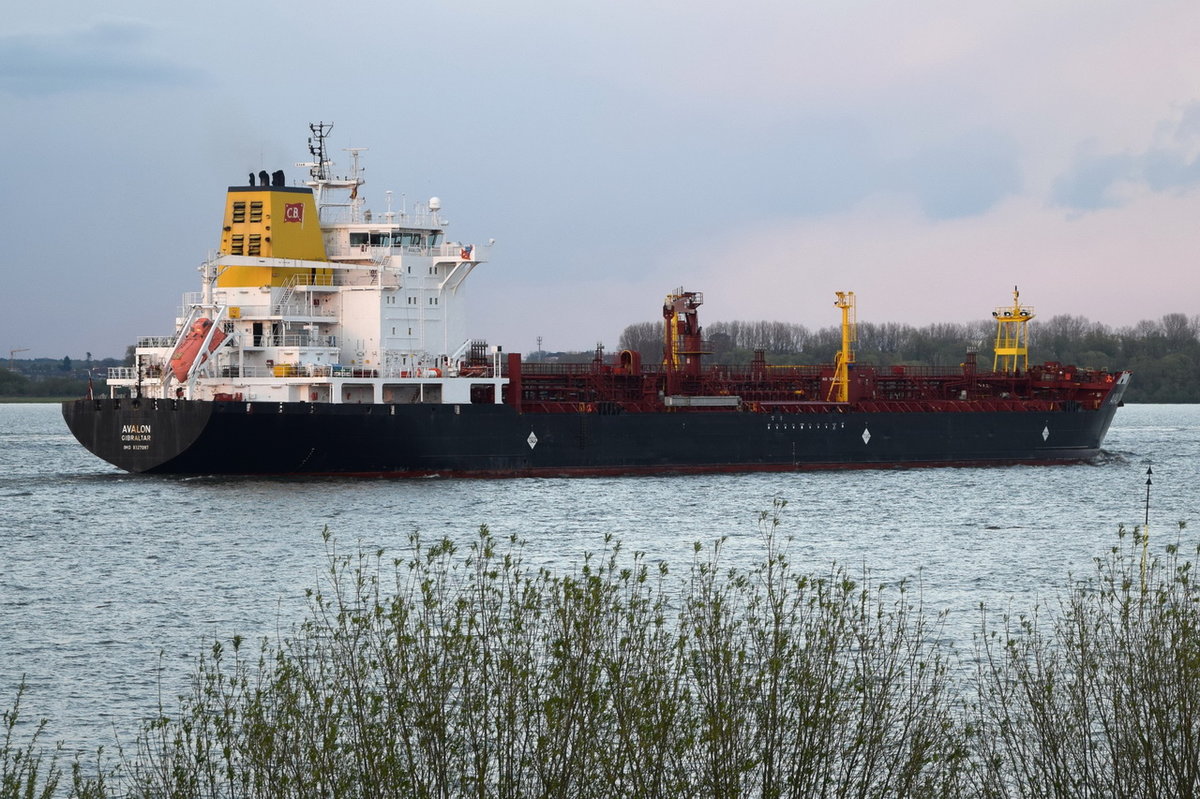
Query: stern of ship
<point>137,434</point>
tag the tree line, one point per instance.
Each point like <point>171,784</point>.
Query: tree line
<point>55,378</point>
<point>1163,354</point>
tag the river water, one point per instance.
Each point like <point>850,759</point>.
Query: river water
<point>112,584</point>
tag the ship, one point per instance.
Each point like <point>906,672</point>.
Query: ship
<point>330,340</point>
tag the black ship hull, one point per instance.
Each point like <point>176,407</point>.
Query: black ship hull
<point>411,440</point>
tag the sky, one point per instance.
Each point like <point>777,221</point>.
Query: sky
<point>926,155</point>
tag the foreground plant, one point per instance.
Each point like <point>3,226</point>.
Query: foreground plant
<point>475,675</point>
<point>835,687</point>
<point>1103,699</point>
<point>29,771</point>
<point>465,672</point>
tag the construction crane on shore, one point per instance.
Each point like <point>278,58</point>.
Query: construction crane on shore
<point>12,353</point>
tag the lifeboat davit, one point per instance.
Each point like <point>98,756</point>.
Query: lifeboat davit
<point>185,353</point>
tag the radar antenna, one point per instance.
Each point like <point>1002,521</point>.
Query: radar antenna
<point>321,172</point>
<point>320,161</point>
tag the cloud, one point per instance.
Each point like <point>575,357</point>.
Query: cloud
<point>820,168</point>
<point>1116,265</point>
<point>964,177</point>
<point>643,144</point>
<point>1092,181</point>
<point>107,56</point>
<point>1170,170</point>
<point>1108,180</point>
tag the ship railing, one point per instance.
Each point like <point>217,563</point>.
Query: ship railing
<point>283,369</point>
<point>191,300</point>
<point>156,341</point>
<point>418,219</point>
<point>545,368</point>
<point>233,370</point>
<point>305,309</point>
<point>454,249</point>
<point>288,309</point>
<point>321,278</point>
<point>912,370</point>
<point>379,255</point>
<point>554,368</point>
<point>278,370</point>
<point>288,340</point>
<point>149,372</point>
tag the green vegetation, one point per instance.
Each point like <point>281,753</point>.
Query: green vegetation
<point>27,771</point>
<point>1164,355</point>
<point>14,385</point>
<point>455,673</point>
<point>1104,698</point>
<point>41,379</point>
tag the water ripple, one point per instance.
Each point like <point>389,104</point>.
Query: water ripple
<point>113,583</point>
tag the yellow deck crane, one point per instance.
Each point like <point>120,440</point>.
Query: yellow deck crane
<point>839,389</point>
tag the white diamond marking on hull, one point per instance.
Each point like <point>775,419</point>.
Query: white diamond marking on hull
<point>866,436</point>
<point>1045,432</point>
<point>532,440</point>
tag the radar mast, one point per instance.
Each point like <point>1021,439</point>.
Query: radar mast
<point>320,163</point>
<point>319,169</point>
<point>1012,336</point>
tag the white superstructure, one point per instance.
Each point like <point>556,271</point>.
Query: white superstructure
<point>315,298</point>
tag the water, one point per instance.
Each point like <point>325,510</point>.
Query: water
<point>112,584</point>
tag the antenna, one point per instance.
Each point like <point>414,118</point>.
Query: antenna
<point>354,182</point>
<point>1149,471</point>
<point>320,132</point>
<point>1146,529</point>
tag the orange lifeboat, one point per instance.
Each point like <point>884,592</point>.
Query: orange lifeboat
<point>185,354</point>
